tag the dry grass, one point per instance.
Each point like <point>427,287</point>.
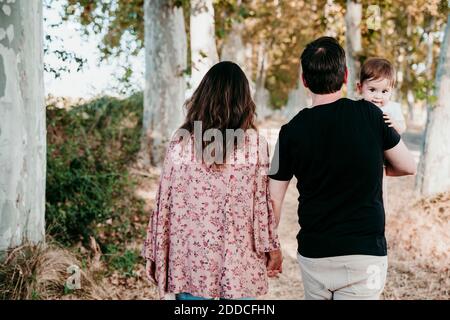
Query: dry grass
<point>417,231</point>
<point>408,281</point>
<point>40,272</point>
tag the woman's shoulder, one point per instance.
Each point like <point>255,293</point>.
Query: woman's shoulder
<point>251,148</point>
<point>179,150</point>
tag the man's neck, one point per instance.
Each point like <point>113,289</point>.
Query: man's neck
<point>319,99</point>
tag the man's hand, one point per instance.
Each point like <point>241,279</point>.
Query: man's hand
<point>274,263</point>
<point>150,271</point>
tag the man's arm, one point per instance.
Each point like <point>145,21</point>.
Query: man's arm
<point>277,191</point>
<point>400,161</point>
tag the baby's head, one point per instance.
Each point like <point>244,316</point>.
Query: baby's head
<point>376,81</point>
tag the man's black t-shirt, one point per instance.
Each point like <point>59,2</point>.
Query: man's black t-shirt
<point>335,151</point>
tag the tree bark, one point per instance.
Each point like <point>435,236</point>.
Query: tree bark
<point>434,168</point>
<point>297,100</point>
<point>203,40</point>
<point>22,124</point>
<point>430,57</point>
<point>164,94</point>
<point>234,49</point>
<point>410,101</point>
<point>262,95</point>
<point>353,17</point>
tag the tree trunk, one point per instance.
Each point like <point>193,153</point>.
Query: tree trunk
<point>297,100</point>
<point>410,101</point>
<point>262,95</point>
<point>434,169</point>
<point>203,40</point>
<point>353,41</point>
<point>430,58</point>
<point>22,124</point>
<point>234,49</point>
<point>165,58</point>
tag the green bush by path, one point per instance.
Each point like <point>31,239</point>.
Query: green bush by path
<point>88,149</point>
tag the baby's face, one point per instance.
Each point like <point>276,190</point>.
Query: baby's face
<point>377,91</point>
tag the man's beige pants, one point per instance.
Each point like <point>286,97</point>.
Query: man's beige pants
<point>352,277</point>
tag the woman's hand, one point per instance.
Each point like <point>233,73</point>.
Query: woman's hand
<point>150,271</point>
<point>274,263</point>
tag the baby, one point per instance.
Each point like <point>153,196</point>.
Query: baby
<point>376,83</point>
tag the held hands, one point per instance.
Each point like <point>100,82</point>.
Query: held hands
<point>274,263</point>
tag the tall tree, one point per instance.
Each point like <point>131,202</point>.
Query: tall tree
<point>164,94</point>
<point>409,72</point>
<point>233,46</point>
<point>22,124</point>
<point>203,41</point>
<point>261,94</point>
<point>234,49</point>
<point>353,18</point>
<point>298,98</point>
<point>434,169</point>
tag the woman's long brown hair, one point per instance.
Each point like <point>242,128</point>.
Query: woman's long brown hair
<point>221,101</point>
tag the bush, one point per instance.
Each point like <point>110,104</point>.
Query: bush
<point>123,261</point>
<point>88,149</point>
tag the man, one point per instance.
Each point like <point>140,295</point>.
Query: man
<point>336,150</point>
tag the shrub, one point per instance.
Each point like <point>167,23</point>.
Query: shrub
<point>88,149</point>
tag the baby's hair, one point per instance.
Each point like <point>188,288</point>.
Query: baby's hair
<point>377,68</point>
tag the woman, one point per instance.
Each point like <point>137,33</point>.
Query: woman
<point>212,234</point>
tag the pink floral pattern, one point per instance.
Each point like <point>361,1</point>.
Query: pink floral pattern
<point>211,228</point>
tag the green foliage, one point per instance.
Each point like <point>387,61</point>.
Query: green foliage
<point>122,261</point>
<point>67,290</point>
<point>116,19</point>
<point>425,89</point>
<point>227,11</point>
<point>35,295</point>
<point>53,48</point>
<point>283,28</point>
<point>89,147</point>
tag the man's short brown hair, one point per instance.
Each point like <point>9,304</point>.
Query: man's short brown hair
<point>377,68</point>
<point>323,64</point>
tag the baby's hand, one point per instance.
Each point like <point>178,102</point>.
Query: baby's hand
<point>391,123</point>
<point>388,120</point>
